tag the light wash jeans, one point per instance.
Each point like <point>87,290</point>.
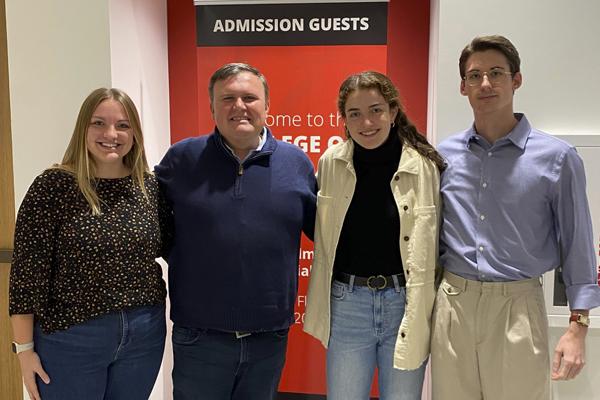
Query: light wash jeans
<point>364,326</point>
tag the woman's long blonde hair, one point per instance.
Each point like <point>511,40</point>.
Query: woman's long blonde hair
<point>77,159</point>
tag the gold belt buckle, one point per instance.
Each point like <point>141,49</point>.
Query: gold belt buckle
<point>369,279</point>
<point>239,335</point>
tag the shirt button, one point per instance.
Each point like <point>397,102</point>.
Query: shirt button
<point>405,208</point>
<point>484,184</point>
<point>482,276</point>
<point>489,154</point>
<point>403,334</point>
<point>396,178</point>
<point>480,248</point>
<point>482,217</point>
<point>406,238</point>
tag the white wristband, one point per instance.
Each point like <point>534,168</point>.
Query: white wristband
<point>19,348</point>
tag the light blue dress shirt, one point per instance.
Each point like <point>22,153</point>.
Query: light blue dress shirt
<point>516,209</point>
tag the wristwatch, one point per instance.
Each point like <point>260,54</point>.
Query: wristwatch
<point>19,348</point>
<point>581,319</point>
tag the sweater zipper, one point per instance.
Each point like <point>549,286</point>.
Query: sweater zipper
<point>238,179</point>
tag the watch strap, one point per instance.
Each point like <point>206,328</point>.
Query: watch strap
<point>581,319</point>
<point>19,348</point>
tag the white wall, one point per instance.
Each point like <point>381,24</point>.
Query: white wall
<point>560,53</point>
<point>58,52</point>
<point>559,44</point>
<point>139,65</point>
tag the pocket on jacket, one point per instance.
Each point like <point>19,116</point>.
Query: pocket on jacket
<point>423,241</point>
<point>325,223</point>
<point>324,205</point>
<point>424,210</point>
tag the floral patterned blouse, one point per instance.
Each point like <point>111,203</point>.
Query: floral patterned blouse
<point>70,266</point>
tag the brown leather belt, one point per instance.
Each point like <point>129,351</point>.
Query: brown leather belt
<point>377,282</point>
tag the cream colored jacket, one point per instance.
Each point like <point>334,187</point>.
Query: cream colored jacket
<point>415,187</point>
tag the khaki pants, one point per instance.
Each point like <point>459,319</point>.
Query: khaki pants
<point>490,341</point>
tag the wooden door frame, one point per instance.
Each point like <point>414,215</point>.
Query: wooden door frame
<point>11,386</point>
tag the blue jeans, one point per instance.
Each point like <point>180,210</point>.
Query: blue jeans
<point>215,365</point>
<point>364,327</point>
<point>112,357</point>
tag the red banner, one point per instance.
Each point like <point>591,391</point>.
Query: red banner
<point>305,51</point>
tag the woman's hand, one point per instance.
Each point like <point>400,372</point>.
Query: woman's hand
<point>30,366</point>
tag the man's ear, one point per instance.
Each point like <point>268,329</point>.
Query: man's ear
<point>517,81</point>
<point>463,88</point>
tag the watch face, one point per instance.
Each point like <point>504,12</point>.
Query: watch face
<point>580,319</point>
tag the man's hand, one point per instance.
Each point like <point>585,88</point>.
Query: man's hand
<point>30,366</point>
<point>569,355</point>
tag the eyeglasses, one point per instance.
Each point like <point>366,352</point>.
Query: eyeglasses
<point>495,76</point>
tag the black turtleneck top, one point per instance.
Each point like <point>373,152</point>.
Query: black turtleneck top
<point>369,241</point>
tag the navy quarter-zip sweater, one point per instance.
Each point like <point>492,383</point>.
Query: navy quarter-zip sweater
<point>234,261</point>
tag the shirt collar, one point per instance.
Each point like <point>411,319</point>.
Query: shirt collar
<point>261,142</point>
<point>518,136</point>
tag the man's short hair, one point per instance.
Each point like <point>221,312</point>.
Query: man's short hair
<point>493,42</point>
<point>232,69</point>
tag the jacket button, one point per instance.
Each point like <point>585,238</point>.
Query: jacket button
<point>405,208</point>
<point>406,238</point>
<point>403,334</point>
<point>396,178</point>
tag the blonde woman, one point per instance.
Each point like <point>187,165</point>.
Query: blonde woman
<point>372,285</point>
<point>86,294</point>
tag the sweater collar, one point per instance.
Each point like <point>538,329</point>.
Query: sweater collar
<point>267,145</point>
<point>387,153</point>
<point>409,159</point>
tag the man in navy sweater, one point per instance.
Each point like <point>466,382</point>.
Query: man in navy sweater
<point>241,200</point>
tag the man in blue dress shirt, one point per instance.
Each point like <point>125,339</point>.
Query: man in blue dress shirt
<point>515,207</point>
